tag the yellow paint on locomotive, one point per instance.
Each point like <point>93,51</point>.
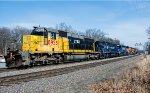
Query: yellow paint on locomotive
<point>39,44</point>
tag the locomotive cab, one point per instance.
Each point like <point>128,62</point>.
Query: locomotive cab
<point>41,40</point>
<point>41,44</point>
<point>45,33</point>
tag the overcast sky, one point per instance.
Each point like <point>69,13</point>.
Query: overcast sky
<point>126,21</point>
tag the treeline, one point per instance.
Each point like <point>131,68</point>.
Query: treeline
<point>12,37</point>
<point>95,33</point>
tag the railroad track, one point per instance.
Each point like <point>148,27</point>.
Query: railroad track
<point>36,66</point>
<point>8,80</point>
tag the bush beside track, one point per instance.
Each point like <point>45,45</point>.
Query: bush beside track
<point>136,80</point>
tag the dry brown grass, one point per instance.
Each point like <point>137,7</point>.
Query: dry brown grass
<point>136,80</point>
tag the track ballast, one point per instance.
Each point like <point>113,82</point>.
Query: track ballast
<point>15,79</point>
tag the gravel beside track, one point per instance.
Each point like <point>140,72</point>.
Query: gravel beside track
<point>7,80</point>
<point>74,82</point>
<point>44,68</point>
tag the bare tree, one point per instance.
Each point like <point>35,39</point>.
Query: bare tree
<point>64,27</point>
<point>11,38</point>
<point>146,45</point>
<point>16,36</point>
<point>116,41</point>
<point>96,34</point>
<point>148,32</point>
<point>5,38</point>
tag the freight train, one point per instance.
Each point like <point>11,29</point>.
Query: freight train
<point>47,45</point>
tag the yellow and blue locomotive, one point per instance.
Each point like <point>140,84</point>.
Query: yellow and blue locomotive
<point>46,45</point>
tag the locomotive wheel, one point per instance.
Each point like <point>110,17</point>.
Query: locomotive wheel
<point>45,62</point>
<point>56,61</point>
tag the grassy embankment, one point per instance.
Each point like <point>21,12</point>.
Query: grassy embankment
<point>136,80</point>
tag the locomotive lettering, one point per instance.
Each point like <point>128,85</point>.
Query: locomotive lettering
<point>52,42</point>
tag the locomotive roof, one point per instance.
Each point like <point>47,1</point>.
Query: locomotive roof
<point>76,35</point>
<point>46,29</point>
<point>52,30</point>
<point>104,42</point>
<point>57,31</point>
